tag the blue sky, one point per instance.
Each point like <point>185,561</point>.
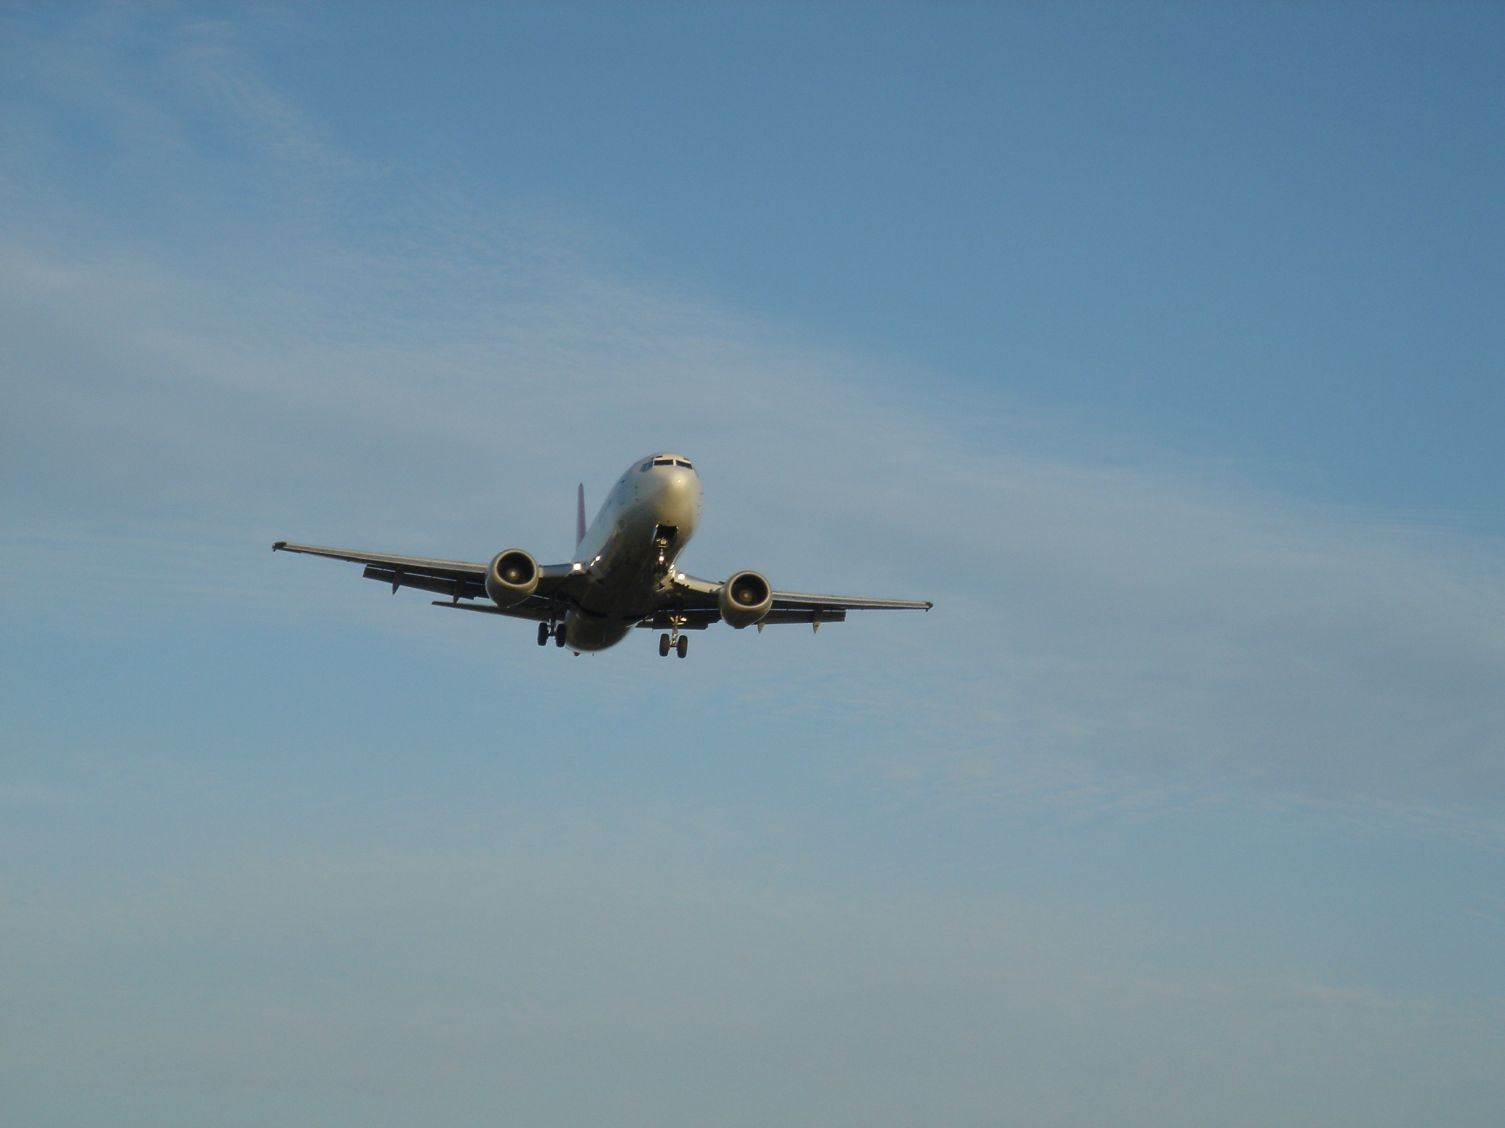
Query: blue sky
<point>1160,347</point>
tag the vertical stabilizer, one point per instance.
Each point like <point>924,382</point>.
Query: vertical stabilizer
<point>580,515</point>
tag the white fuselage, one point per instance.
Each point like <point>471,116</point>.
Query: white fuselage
<point>628,552</point>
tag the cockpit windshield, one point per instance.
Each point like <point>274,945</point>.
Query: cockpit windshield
<point>670,461</point>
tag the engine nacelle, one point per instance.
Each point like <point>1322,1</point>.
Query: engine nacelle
<point>744,599</point>
<point>512,577</point>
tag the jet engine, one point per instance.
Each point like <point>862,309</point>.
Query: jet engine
<point>744,599</point>
<point>512,577</point>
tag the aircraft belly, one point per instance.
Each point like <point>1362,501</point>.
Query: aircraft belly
<point>610,603</point>
<point>624,593</point>
<point>586,632</point>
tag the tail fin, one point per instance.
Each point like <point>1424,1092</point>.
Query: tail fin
<point>580,515</point>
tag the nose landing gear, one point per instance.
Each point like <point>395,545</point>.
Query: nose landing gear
<point>664,537</point>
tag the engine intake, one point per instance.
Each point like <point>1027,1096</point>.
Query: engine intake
<point>512,577</point>
<point>744,599</point>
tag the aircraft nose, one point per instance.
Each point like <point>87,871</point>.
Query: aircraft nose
<point>681,493</point>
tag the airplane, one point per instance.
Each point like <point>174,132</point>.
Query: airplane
<point>624,574</point>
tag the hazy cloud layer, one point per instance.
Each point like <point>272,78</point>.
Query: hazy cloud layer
<point>1129,619</point>
<point>622,978</point>
<point>1135,826</point>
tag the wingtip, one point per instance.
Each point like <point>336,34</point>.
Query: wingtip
<point>279,545</point>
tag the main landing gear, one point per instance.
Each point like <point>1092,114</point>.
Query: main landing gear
<point>547,631</point>
<point>673,640</point>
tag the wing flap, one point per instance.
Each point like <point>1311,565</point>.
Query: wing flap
<point>456,587</point>
<point>807,615</point>
<point>694,592</point>
<point>795,600</point>
<point>418,565</point>
<point>457,579</point>
<point>697,599</point>
<point>531,608</point>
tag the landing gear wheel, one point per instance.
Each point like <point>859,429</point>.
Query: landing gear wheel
<point>663,646</point>
<point>682,647</point>
<point>559,635</point>
<point>543,633</point>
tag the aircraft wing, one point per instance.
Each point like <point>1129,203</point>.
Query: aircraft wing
<point>457,579</point>
<point>698,599</point>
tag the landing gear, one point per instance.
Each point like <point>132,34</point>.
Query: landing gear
<point>543,633</point>
<point>674,641</point>
<point>559,635</point>
<point>547,631</point>
<point>663,540</point>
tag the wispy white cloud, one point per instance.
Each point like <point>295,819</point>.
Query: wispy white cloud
<point>435,380</point>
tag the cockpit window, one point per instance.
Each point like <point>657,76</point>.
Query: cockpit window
<point>685,462</point>
<point>663,462</point>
